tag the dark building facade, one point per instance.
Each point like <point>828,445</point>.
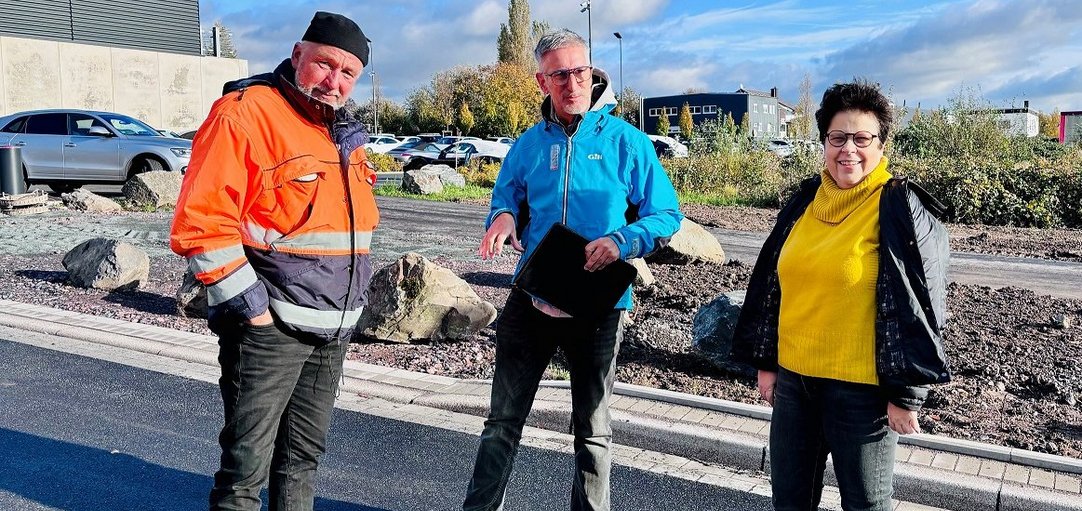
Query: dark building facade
<point>765,116</point>
<point>155,25</point>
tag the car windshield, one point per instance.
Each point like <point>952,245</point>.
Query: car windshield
<point>129,126</point>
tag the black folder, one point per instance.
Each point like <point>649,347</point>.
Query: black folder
<point>554,273</point>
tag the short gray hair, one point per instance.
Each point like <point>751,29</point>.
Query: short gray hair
<point>562,38</point>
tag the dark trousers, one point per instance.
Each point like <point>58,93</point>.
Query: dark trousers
<point>278,394</point>
<point>816,416</point>
<point>526,340</point>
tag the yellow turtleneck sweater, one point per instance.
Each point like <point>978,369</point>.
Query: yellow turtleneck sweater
<point>827,271</point>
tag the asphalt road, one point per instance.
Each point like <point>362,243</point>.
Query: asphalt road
<point>81,434</point>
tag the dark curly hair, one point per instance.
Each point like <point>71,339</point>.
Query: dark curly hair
<point>860,95</point>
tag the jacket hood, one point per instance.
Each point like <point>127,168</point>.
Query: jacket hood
<point>602,97</point>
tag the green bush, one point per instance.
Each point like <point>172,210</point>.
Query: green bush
<point>962,155</point>
<point>480,174</point>
<point>383,162</point>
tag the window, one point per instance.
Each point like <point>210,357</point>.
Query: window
<point>696,110</point>
<point>653,112</point>
<point>710,109</point>
<point>755,107</point>
<point>769,127</point>
<point>16,126</point>
<point>80,124</point>
<point>48,124</point>
<point>671,110</point>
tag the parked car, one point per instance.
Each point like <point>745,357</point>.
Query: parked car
<point>408,146</point>
<point>428,150</point>
<point>430,137</point>
<point>69,148</point>
<point>780,147</point>
<point>404,139</point>
<point>459,154</point>
<point>381,144</point>
<point>190,135</point>
<point>668,147</point>
<point>502,140</point>
<point>448,140</point>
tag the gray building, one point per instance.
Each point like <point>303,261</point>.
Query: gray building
<point>766,115</point>
<point>170,26</point>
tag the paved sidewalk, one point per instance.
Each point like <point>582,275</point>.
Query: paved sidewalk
<point>708,440</point>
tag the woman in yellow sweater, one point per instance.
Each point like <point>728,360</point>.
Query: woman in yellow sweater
<point>844,313</point>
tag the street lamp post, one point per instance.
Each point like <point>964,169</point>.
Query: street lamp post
<point>585,7</point>
<point>375,105</point>
<point>621,39</point>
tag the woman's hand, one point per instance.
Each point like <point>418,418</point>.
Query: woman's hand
<point>902,421</point>
<point>767,381</point>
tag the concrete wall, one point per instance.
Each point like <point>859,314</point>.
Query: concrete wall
<point>166,90</point>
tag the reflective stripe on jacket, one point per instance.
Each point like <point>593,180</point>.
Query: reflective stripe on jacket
<point>277,210</point>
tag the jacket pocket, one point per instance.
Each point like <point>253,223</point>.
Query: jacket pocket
<point>289,191</point>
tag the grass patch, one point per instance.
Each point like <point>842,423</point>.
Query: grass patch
<point>449,193</point>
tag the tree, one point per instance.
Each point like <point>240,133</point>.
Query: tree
<point>745,125</point>
<point>686,124</point>
<point>465,118</point>
<point>916,116</point>
<point>513,43</point>
<point>802,125</point>
<point>729,124</point>
<point>226,48</point>
<point>1049,124</point>
<point>663,125</point>
<point>630,102</point>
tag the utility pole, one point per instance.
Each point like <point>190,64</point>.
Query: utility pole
<point>621,39</point>
<point>585,7</point>
<point>375,103</point>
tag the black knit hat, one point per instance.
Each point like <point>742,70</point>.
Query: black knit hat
<point>338,31</point>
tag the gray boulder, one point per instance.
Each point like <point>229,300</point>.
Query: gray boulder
<point>157,189</point>
<point>644,277</point>
<point>82,200</point>
<point>414,298</point>
<point>191,297</point>
<point>713,327</point>
<point>107,264</point>
<point>418,181</point>
<point>448,175</point>
<point>692,243</point>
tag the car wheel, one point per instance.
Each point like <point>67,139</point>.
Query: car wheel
<point>64,187</point>
<point>145,164</point>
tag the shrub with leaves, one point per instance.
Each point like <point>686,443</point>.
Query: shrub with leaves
<point>383,162</point>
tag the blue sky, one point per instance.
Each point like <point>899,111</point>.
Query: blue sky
<point>920,51</point>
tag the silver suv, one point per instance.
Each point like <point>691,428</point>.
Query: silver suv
<point>69,148</point>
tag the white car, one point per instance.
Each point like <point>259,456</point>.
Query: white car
<point>668,147</point>
<point>381,144</point>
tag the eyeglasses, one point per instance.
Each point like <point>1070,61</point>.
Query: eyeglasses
<point>561,76</point>
<point>838,138</point>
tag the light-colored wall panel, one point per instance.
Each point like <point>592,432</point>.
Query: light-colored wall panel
<point>136,85</point>
<point>86,78</point>
<point>181,81</point>
<point>31,73</point>
<point>166,90</point>
<point>217,71</point>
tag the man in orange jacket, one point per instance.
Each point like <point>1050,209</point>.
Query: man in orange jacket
<point>275,217</point>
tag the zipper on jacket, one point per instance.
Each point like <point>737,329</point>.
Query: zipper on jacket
<point>567,173</point>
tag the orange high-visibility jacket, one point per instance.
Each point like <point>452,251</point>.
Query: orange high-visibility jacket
<point>274,213</point>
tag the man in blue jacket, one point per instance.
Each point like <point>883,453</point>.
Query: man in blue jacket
<point>586,169</point>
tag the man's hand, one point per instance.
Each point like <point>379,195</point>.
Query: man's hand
<point>502,228</point>
<point>262,319</point>
<point>902,421</point>
<point>601,252</point>
<point>767,381</point>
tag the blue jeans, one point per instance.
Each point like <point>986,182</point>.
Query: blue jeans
<point>526,340</point>
<point>816,416</point>
<point>278,393</point>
